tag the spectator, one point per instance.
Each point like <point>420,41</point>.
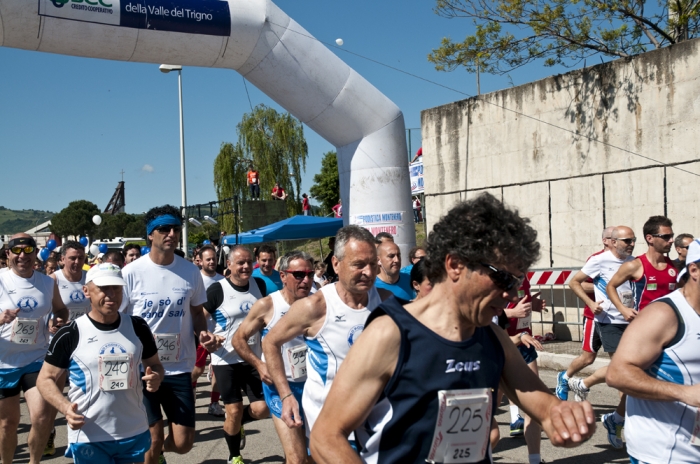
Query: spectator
<point>305,205</point>
<point>416,210</point>
<point>278,192</point>
<point>254,183</point>
<point>338,209</point>
<point>51,266</point>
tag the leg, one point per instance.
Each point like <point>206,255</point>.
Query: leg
<point>293,442</point>
<point>533,431</point>
<point>495,434</point>
<point>9,422</point>
<point>258,410</point>
<point>179,407</point>
<point>583,360</point>
<point>42,416</point>
<point>234,416</point>
<point>196,374</point>
<point>596,378</point>
<point>180,439</point>
<point>157,438</point>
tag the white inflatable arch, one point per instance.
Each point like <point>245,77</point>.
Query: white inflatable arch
<point>257,39</point>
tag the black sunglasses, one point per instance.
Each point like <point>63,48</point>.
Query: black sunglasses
<point>300,275</point>
<point>166,229</point>
<point>664,237</point>
<point>503,279</point>
<point>628,241</point>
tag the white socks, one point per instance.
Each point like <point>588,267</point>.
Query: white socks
<point>534,458</point>
<point>514,413</point>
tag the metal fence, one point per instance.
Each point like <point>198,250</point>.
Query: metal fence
<point>564,315</point>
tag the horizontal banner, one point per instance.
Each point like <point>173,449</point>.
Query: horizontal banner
<point>392,217</point>
<point>206,17</point>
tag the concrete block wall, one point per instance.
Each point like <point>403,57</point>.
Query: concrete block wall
<point>571,151</point>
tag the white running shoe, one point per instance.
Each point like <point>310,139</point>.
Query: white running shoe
<point>576,385</point>
<point>215,409</point>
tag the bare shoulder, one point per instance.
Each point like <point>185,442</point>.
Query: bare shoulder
<point>313,307</point>
<point>384,330</point>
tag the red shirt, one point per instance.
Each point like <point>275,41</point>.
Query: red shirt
<point>305,204</point>
<point>513,329</point>
<point>278,192</point>
<point>338,210</point>
<point>252,177</point>
<point>654,283</point>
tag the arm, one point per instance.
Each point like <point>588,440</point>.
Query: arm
<point>199,322</point>
<point>305,317</point>
<point>252,324</point>
<point>627,271</point>
<point>576,286</point>
<point>357,386</point>
<point>154,372</point>
<point>46,383</point>
<point>587,287</point>
<point>60,312</point>
<point>641,345</point>
<point>522,309</point>
<point>566,423</point>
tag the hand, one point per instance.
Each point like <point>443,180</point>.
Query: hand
<point>210,341</point>
<point>290,412</point>
<point>264,374</point>
<point>569,423</point>
<point>75,420</point>
<point>628,313</point>
<point>522,309</point>
<point>596,307</point>
<point>538,304</point>
<point>528,340</point>
<point>152,380</point>
<point>8,315</point>
<point>55,324</point>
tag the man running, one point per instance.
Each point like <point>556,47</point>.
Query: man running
<point>132,252</point>
<point>228,303</point>
<point>390,276</point>
<point>681,244</point>
<point>610,323</point>
<point>330,321</point>
<point>658,366</point>
<point>168,292</point>
<point>296,270</point>
<point>591,341</point>
<point>27,301</point>
<point>419,385</point>
<point>71,278</point>
<point>209,275</point>
<point>107,422</point>
<point>115,257</point>
<point>267,258</point>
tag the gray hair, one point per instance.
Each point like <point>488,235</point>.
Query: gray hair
<point>351,232</point>
<point>287,259</point>
<point>236,248</point>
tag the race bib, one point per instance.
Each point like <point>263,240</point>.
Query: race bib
<point>297,361</point>
<point>25,331</point>
<point>524,322</point>
<point>76,314</point>
<point>695,434</point>
<point>462,427</point>
<point>168,347</point>
<point>627,299</point>
<point>521,294</point>
<point>115,371</point>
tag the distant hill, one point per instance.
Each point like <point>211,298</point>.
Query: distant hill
<point>13,221</point>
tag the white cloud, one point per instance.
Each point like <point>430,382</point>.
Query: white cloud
<point>147,168</point>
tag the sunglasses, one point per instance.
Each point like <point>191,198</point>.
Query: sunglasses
<point>684,247</point>
<point>19,249</point>
<point>503,279</point>
<point>166,229</point>
<point>300,275</point>
<point>628,241</point>
<point>664,237</point>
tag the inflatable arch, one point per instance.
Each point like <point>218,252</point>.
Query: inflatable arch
<point>267,47</point>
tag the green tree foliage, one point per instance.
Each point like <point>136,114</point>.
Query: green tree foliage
<point>326,188</point>
<point>512,33</point>
<point>197,235</point>
<point>121,225</point>
<point>274,144</point>
<point>75,219</point>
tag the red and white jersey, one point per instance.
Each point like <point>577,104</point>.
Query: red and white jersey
<point>521,324</point>
<point>654,283</point>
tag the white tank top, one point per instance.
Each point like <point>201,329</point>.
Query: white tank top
<point>280,308</point>
<point>228,318</point>
<point>657,431</point>
<point>109,414</point>
<point>327,350</point>
<point>72,294</point>
<point>26,339</point>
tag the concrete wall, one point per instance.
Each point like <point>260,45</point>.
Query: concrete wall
<point>568,151</point>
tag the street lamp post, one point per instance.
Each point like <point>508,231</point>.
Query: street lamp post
<point>166,68</point>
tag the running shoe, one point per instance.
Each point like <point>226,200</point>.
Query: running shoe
<point>50,449</point>
<point>161,459</point>
<point>562,390</point>
<point>614,430</point>
<point>517,428</point>
<point>242,438</point>
<point>215,409</point>
<point>577,386</point>
<point>236,460</point>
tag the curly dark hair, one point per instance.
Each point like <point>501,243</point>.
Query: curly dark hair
<point>153,213</point>
<point>481,230</point>
<point>131,246</point>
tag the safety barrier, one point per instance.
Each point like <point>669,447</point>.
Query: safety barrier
<point>564,308</point>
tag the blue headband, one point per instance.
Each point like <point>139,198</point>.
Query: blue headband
<point>164,220</point>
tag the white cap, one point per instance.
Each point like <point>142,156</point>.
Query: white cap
<point>692,257</point>
<point>105,274</point>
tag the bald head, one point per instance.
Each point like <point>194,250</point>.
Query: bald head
<point>623,241</point>
<point>20,235</point>
<point>389,256</point>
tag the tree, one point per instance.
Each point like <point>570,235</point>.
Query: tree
<point>326,186</point>
<point>75,219</point>
<point>512,33</point>
<point>272,142</point>
<point>121,225</point>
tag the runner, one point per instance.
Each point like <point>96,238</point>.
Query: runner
<point>610,323</point>
<point>390,276</point>
<point>107,421</point>
<point>296,271</point>
<point>414,255</point>
<point>132,252</point>
<point>658,366</point>
<point>267,258</point>
<point>115,257</point>
<point>382,237</point>
<point>228,303</point>
<point>330,321</point>
<point>681,244</point>
<point>50,266</point>
<point>591,341</point>
<point>27,300</point>
<point>392,399</point>
<point>168,292</point>
<point>209,275</point>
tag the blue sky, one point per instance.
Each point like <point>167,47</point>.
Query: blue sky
<point>74,123</point>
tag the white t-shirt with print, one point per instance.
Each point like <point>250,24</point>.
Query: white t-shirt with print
<point>601,268</point>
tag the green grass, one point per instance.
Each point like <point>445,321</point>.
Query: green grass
<point>14,221</point>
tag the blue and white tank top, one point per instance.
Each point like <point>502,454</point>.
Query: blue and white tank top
<point>292,352</point>
<point>72,294</point>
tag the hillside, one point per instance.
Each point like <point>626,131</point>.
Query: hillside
<point>13,221</point>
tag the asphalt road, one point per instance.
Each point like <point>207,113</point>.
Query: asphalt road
<point>263,445</point>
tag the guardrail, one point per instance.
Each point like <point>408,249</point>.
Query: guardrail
<point>564,307</point>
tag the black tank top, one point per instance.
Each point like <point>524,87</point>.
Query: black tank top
<point>406,413</point>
